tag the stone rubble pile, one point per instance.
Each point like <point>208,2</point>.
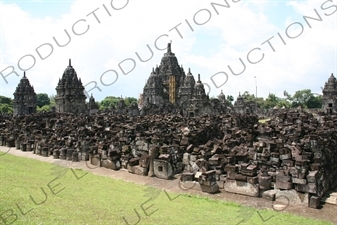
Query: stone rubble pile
<point>231,152</point>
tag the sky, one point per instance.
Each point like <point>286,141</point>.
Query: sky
<point>236,46</point>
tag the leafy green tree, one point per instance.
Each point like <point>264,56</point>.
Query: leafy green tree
<point>129,100</point>
<point>5,100</point>
<point>314,102</point>
<point>230,99</point>
<point>301,97</point>
<point>250,98</point>
<point>110,101</point>
<point>271,101</point>
<point>6,108</point>
<point>52,100</point>
<point>284,103</point>
<point>304,98</point>
<point>45,108</point>
<point>6,104</point>
<point>42,99</point>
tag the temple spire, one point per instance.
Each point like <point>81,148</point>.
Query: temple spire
<point>24,74</point>
<point>199,77</point>
<point>69,62</point>
<point>169,48</point>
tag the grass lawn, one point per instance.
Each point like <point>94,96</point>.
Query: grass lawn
<point>34,192</point>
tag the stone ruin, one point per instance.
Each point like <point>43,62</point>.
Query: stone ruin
<point>329,99</point>
<point>231,152</point>
<point>24,98</point>
<point>70,97</point>
<point>170,90</point>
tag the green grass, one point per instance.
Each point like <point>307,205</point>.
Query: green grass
<point>101,200</point>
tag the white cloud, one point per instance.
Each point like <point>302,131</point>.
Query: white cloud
<point>305,62</point>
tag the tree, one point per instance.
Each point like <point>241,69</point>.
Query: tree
<point>284,103</point>
<point>45,108</point>
<point>110,101</point>
<point>314,102</point>
<point>271,101</point>
<point>52,100</point>
<point>129,100</point>
<point>230,99</point>
<point>304,98</point>
<point>42,99</point>
<point>5,100</point>
<point>6,104</point>
<point>301,97</point>
<point>250,98</point>
<point>6,108</point>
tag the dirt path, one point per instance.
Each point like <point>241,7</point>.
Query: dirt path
<point>327,212</point>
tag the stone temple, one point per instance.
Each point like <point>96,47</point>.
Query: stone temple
<point>169,89</point>
<point>24,98</point>
<point>70,97</point>
<point>329,99</point>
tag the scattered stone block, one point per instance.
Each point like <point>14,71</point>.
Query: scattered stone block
<point>241,187</point>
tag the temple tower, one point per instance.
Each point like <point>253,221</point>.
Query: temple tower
<point>329,99</point>
<point>24,98</point>
<point>70,97</point>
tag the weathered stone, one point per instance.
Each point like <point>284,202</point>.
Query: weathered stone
<point>252,180</point>
<point>24,98</point>
<point>299,181</point>
<point>241,187</point>
<point>186,177</point>
<point>163,169</point>
<point>144,160</point>
<point>269,195</point>
<point>138,170</point>
<point>114,165</point>
<point>210,189</point>
<point>265,182</point>
<point>44,151</point>
<point>56,154</point>
<point>69,83</point>
<point>75,157</point>
<point>95,160</point>
<point>186,158</point>
<point>231,168</point>
<point>284,185</point>
<point>314,202</point>
<point>134,162</point>
<point>312,177</point>
<point>63,153</point>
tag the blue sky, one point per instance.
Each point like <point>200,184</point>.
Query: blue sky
<point>304,62</point>
<point>43,8</point>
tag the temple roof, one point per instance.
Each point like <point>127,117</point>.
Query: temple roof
<point>332,79</point>
<point>331,85</point>
<point>24,86</point>
<point>221,95</point>
<point>69,76</point>
<point>239,97</point>
<point>169,64</point>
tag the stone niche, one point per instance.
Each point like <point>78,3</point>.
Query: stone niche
<point>163,169</point>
